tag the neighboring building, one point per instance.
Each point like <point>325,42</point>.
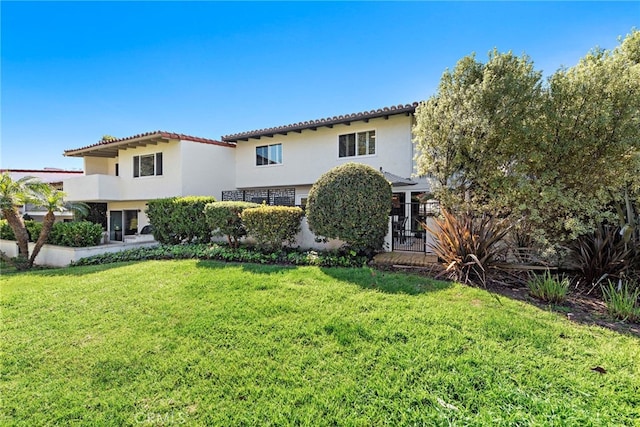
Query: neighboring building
<point>52,176</point>
<point>276,165</point>
<point>125,173</point>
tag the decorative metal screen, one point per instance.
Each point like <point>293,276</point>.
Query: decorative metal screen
<point>271,196</point>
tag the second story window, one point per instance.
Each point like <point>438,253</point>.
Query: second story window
<point>357,144</point>
<point>269,155</point>
<point>147,165</point>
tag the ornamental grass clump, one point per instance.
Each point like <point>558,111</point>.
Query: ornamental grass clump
<point>549,288</point>
<point>622,300</point>
<point>467,246</point>
<point>598,256</point>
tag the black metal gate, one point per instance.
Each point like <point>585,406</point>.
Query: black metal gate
<point>407,226</point>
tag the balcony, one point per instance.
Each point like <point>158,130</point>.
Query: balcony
<point>93,188</point>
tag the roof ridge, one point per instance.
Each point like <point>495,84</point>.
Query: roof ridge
<point>394,109</point>
<point>160,133</point>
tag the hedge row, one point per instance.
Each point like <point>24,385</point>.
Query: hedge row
<point>273,226</point>
<point>224,219</point>
<point>179,219</point>
<point>224,253</point>
<point>194,219</point>
<point>75,234</point>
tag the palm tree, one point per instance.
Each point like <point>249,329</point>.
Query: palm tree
<point>53,200</point>
<point>14,194</point>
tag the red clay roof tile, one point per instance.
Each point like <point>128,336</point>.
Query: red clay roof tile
<point>381,112</point>
<point>157,134</point>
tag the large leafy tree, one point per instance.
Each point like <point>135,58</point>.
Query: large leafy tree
<point>558,154</point>
<point>590,141</point>
<point>471,133</point>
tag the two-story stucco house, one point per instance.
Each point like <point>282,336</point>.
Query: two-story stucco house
<point>125,173</point>
<point>277,165</point>
<point>280,164</point>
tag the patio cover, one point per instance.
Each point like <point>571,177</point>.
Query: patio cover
<point>396,180</point>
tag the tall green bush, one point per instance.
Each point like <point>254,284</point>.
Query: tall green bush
<point>272,226</point>
<point>179,219</point>
<point>224,219</point>
<point>76,234</point>
<point>351,202</point>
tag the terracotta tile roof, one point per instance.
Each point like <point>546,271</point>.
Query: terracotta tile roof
<point>329,122</point>
<point>109,148</point>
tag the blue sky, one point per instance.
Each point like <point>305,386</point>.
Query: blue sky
<point>74,71</point>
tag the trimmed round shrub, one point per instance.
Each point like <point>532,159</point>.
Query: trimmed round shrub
<point>352,203</point>
<point>224,219</point>
<point>179,219</point>
<point>273,226</point>
<point>76,234</point>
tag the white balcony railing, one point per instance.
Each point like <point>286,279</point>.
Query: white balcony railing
<point>90,188</point>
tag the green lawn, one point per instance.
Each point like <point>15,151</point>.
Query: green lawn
<point>204,343</point>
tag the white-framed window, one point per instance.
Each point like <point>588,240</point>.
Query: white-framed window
<point>269,155</point>
<point>147,165</point>
<point>357,144</point>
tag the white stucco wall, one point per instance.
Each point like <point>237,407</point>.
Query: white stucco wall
<point>208,169</point>
<point>189,168</point>
<point>151,187</point>
<point>98,165</point>
<point>92,188</point>
<point>61,256</point>
<point>309,154</point>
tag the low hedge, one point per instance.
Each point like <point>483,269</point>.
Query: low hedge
<point>179,219</point>
<point>272,226</point>
<point>76,234</point>
<point>224,219</point>
<point>227,254</point>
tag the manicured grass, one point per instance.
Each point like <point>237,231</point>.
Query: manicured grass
<point>204,343</point>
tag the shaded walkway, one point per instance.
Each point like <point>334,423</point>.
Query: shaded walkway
<point>409,259</point>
